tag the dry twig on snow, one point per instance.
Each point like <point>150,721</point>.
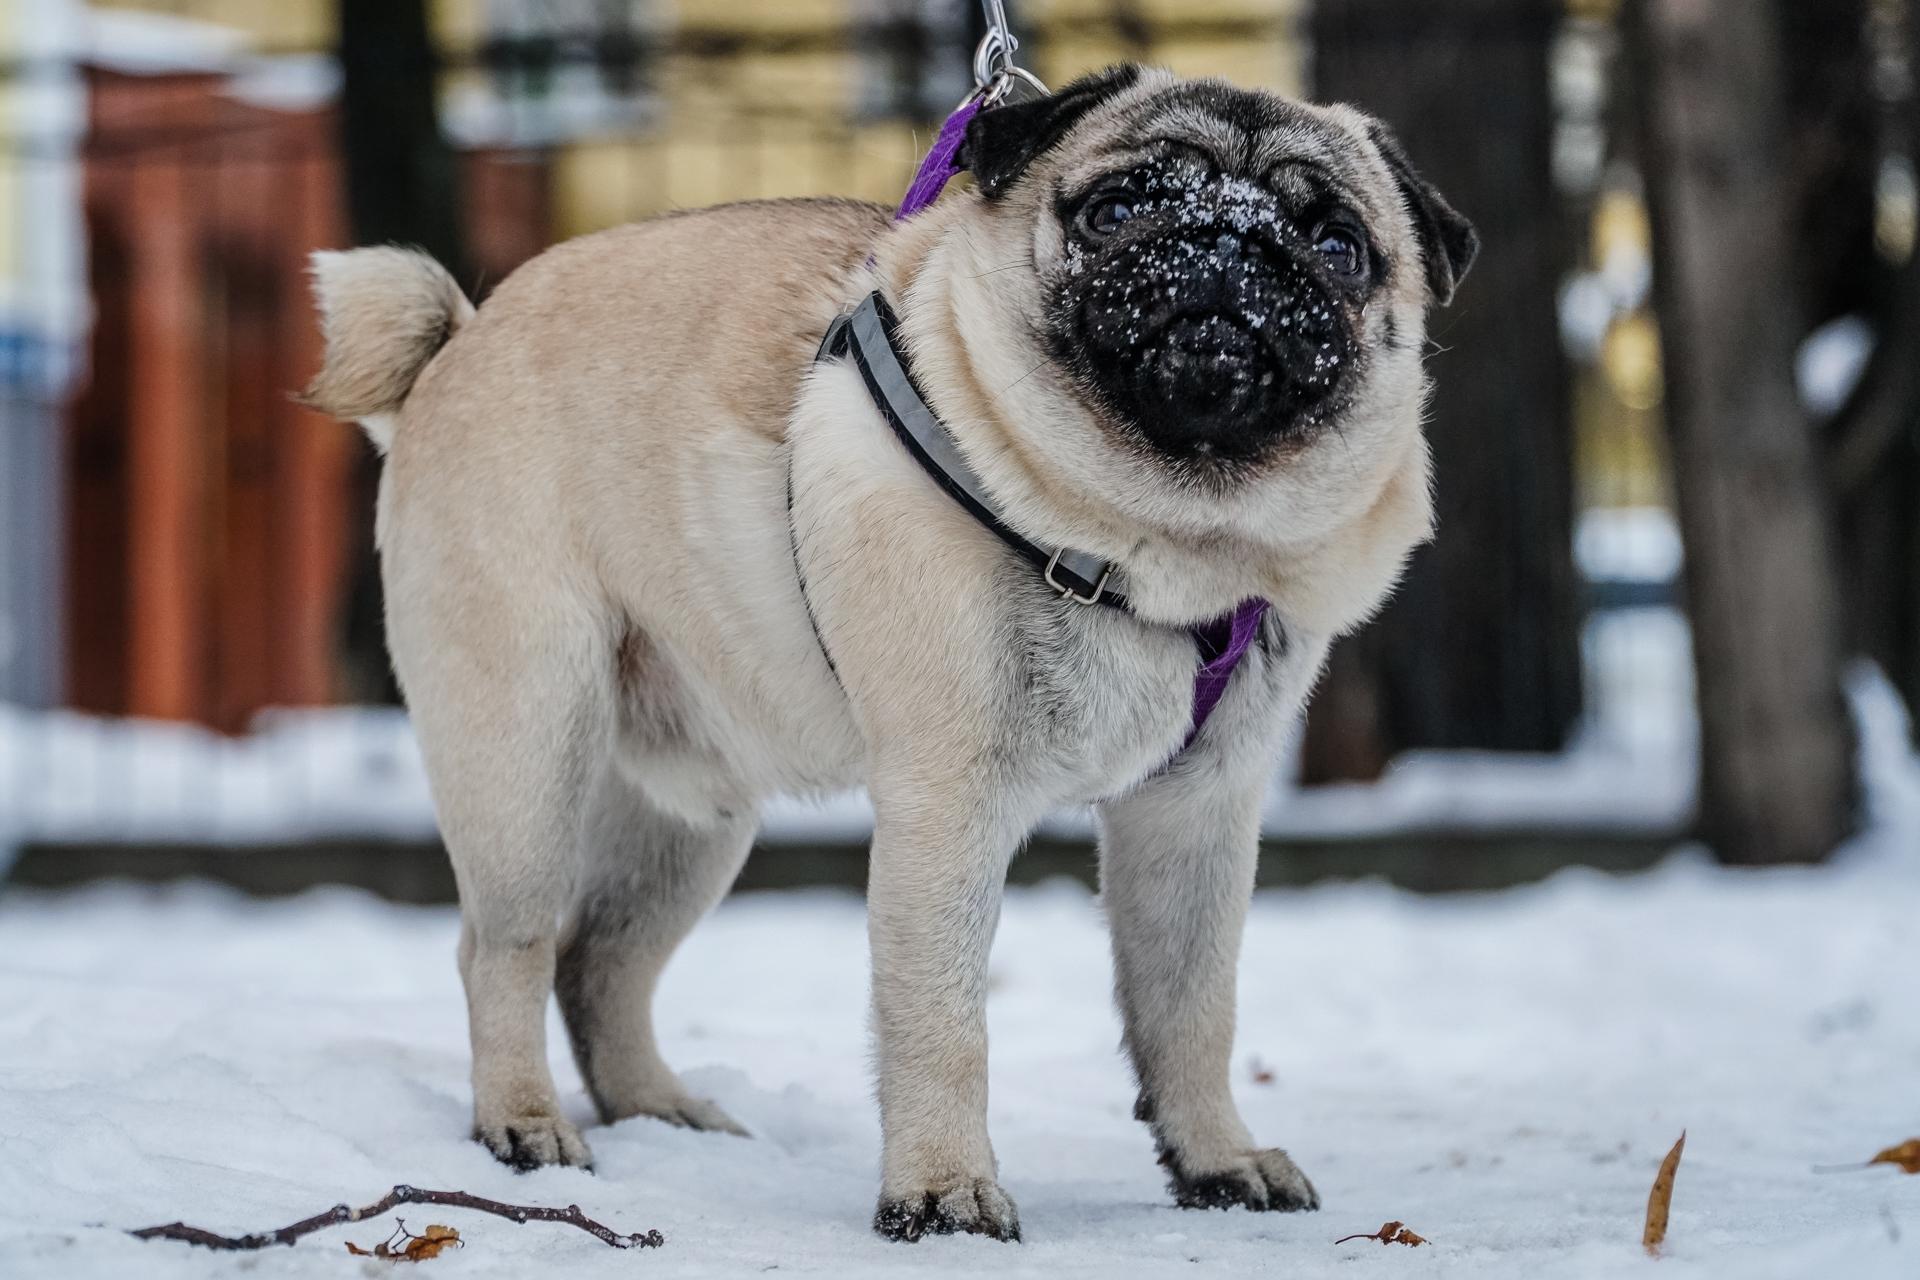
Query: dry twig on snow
<point>1389,1233</point>
<point>402,1194</point>
<point>1905,1157</point>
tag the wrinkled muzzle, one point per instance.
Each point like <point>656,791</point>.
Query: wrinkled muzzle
<point>1211,328</point>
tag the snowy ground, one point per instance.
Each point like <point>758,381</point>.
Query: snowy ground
<point>1501,1072</point>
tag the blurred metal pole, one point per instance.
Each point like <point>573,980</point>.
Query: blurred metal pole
<point>402,180</point>
<point>402,188</point>
<point>1777,779</point>
<point>32,486</point>
<point>43,327</point>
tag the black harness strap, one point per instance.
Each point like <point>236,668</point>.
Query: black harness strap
<point>800,575</point>
<point>868,333</point>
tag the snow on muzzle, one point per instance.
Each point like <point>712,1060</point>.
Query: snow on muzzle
<point>1208,338</point>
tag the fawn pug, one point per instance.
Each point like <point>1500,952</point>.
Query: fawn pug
<point>648,560</point>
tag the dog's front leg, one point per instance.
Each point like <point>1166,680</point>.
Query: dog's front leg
<point>1176,872</point>
<point>933,901</point>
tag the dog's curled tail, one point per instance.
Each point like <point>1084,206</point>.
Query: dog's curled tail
<point>385,313</point>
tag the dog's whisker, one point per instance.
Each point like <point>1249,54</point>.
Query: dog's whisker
<point>1022,378</point>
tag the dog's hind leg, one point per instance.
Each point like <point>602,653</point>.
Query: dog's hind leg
<point>512,725</point>
<point>646,877</point>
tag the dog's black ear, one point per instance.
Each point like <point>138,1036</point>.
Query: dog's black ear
<point>1447,240</point>
<point>1002,142</point>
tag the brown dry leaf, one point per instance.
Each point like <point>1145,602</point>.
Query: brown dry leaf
<point>417,1248</point>
<point>1389,1233</point>
<point>429,1244</point>
<point>1660,1199</point>
<point>1905,1157</point>
<point>1262,1073</point>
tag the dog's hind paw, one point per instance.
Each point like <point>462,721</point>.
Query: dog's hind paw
<point>528,1142</point>
<point>700,1113</point>
<point>682,1110</point>
<point>977,1206</point>
<point>1265,1180</point>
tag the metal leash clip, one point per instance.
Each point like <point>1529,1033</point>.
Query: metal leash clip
<point>996,78</point>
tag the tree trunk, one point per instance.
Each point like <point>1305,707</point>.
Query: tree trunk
<point>1481,648</point>
<point>1776,754</point>
<point>1874,446</point>
<point>401,189</point>
<point>1834,130</point>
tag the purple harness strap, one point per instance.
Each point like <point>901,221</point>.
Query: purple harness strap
<point>1223,642</point>
<point>1227,638</point>
<point>938,167</point>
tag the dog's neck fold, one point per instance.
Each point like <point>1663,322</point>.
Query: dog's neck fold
<point>1079,491</point>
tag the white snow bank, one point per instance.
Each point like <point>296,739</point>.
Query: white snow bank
<point>357,772</point>
<point>300,775</point>
<point>1501,1072</point>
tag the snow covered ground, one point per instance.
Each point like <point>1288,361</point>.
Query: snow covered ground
<point>1501,1072</point>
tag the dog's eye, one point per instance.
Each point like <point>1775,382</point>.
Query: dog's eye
<point>1341,248</point>
<point>1104,216</point>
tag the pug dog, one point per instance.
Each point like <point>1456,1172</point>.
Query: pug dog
<point>649,561</point>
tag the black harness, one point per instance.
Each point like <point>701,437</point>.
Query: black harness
<point>868,333</point>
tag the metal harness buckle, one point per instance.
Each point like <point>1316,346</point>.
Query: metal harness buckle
<point>996,78</point>
<point>1099,588</point>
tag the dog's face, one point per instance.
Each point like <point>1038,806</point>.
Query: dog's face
<point>1227,277</point>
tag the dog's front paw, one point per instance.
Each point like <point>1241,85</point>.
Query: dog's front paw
<point>527,1142</point>
<point>977,1206</point>
<point>1260,1180</point>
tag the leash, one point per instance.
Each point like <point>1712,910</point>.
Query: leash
<point>869,335</point>
<point>997,80</point>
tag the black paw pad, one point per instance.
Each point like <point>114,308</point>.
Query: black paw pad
<point>1272,1185</point>
<point>1212,1191</point>
<point>908,1220</point>
<point>1290,1200</point>
<point>520,1153</point>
